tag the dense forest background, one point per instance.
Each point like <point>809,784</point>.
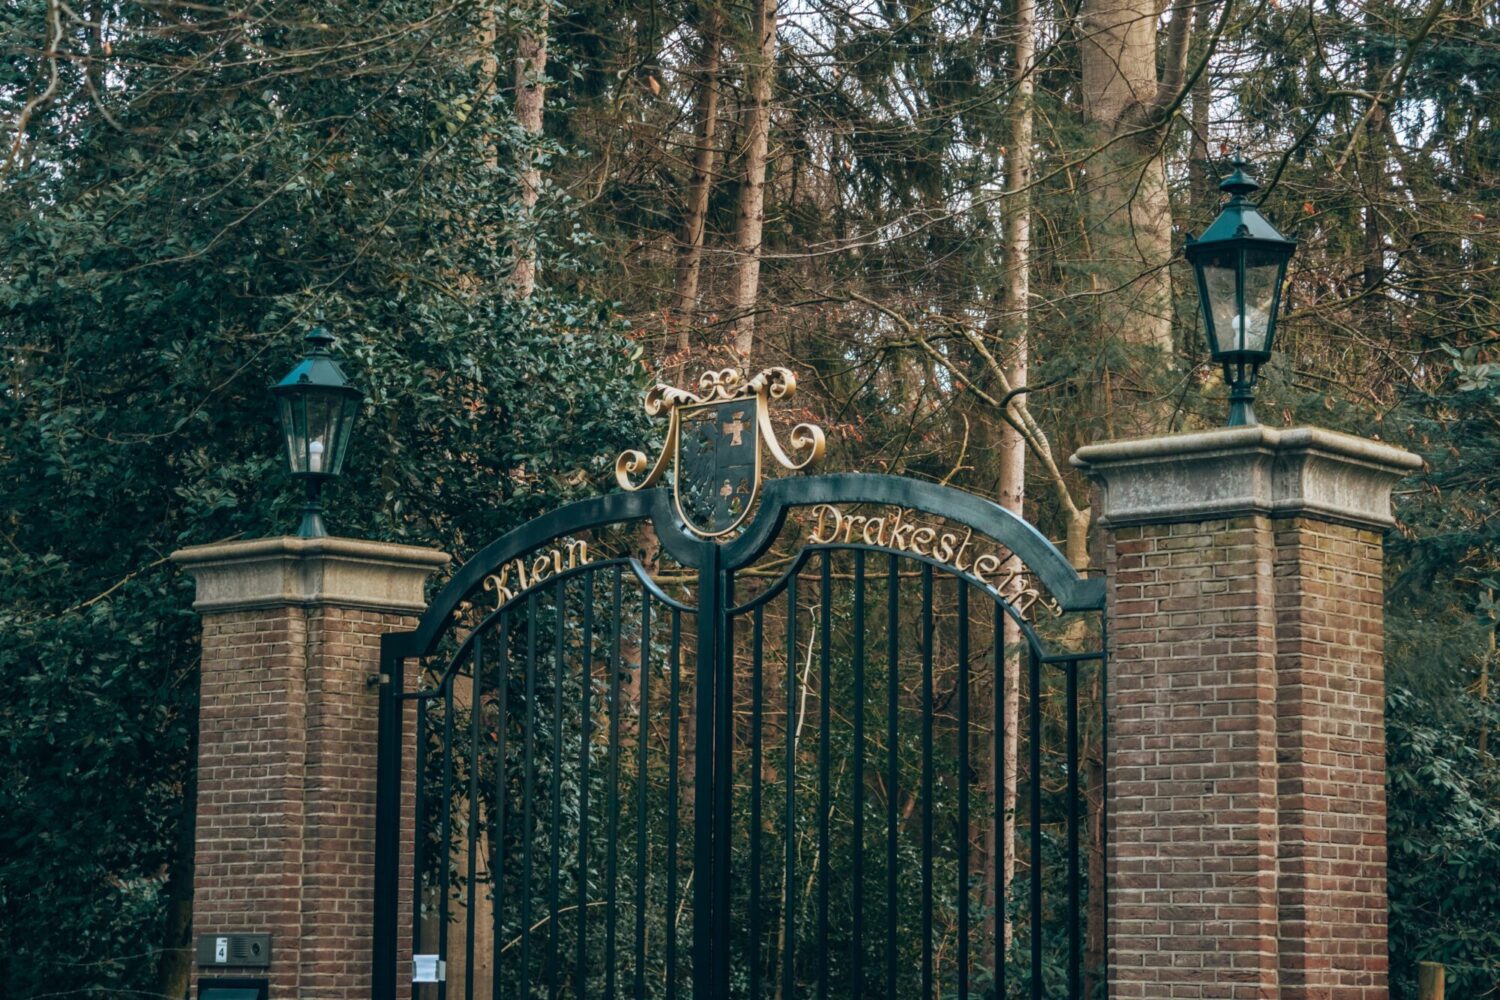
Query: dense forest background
<point>960,223</point>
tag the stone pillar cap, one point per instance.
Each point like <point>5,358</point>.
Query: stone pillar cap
<point>1231,471</point>
<point>290,570</point>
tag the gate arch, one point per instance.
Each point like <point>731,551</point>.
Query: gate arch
<point>641,760</point>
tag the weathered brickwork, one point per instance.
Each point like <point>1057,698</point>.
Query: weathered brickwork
<point>1330,710</point>
<point>288,734</point>
<point>286,790</point>
<point>1246,772</point>
<point>1192,766</point>
<point>252,749</point>
<point>1246,776</point>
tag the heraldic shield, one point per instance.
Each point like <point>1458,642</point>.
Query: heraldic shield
<point>718,464</point>
<point>714,442</point>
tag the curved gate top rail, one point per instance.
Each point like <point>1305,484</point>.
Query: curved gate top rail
<point>600,768</point>
<point>1071,591</point>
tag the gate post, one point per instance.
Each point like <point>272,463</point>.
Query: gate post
<point>1245,775</point>
<point>287,748</point>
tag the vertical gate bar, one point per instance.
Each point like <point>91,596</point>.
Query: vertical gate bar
<point>723,646</point>
<point>447,828</point>
<point>857,807</point>
<point>1034,781</point>
<point>643,734</point>
<point>559,658</point>
<point>757,640</point>
<point>927,782</point>
<point>502,793</point>
<point>585,747</point>
<point>705,675</point>
<point>388,816</point>
<point>893,704</point>
<point>476,681</point>
<point>612,837</point>
<point>674,664</point>
<point>789,829</point>
<point>1103,908</point>
<point>419,825</point>
<point>528,783</point>
<point>825,693</point>
<point>963,788</point>
<point>1075,951</point>
<point>1002,842</point>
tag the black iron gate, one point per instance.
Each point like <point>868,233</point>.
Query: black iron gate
<point>624,755</point>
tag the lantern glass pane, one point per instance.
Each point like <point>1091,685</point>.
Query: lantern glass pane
<point>1220,284</point>
<point>349,407</point>
<point>294,431</point>
<point>1262,279</point>
<point>322,426</point>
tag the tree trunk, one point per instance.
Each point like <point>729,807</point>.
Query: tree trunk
<point>747,237</point>
<point>1203,187</point>
<point>531,95</point>
<point>1130,215</point>
<point>1012,450</point>
<point>690,250</point>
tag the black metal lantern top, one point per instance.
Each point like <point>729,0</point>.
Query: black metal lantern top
<point>1240,262</point>
<point>317,406</point>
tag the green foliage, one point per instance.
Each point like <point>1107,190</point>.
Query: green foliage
<point>1444,801</point>
<point>159,267</point>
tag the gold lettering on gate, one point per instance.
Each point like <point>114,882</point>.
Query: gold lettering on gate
<point>903,532</point>
<point>521,574</point>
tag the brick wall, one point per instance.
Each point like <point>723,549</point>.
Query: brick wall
<point>252,748</point>
<point>286,790</point>
<point>1192,766</point>
<point>1246,774</point>
<point>1330,710</point>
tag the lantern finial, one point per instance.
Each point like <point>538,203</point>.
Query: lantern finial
<point>1239,182</point>
<point>319,340</point>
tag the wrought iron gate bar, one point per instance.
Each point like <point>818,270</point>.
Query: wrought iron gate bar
<point>925,564</point>
<point>1003,844</point>
<point>825,617</point>
<point>926,781</point>
<point>502,785</point>
<point>585,745</point>
<point>534,775</point>
<point>470,909</point>
<point>1034,781</point>
<point>857,809</point>
<point>893,771</point>
<point>961,829</point>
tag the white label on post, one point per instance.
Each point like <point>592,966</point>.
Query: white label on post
<point>221,949</point>
<point>428,969</point>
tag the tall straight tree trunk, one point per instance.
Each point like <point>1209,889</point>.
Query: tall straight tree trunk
<point>1203,187</point>
<point>1130,214</point>
<point>690,249</point>
<point>1011,451</point>
<point>752,211</point>
<point>531,95</point>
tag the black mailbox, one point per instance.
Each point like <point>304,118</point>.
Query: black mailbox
<point>231,989</point>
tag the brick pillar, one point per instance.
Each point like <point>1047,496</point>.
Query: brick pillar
<point>287,747</point>
<point>1246,766</point>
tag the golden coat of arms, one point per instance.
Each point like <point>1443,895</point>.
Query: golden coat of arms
<point>714,439</point>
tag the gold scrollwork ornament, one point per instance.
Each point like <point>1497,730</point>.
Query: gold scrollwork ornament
<point>805,444</point>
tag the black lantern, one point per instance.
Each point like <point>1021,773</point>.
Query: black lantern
<point>1240,262</point>
<point>317,407</point>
